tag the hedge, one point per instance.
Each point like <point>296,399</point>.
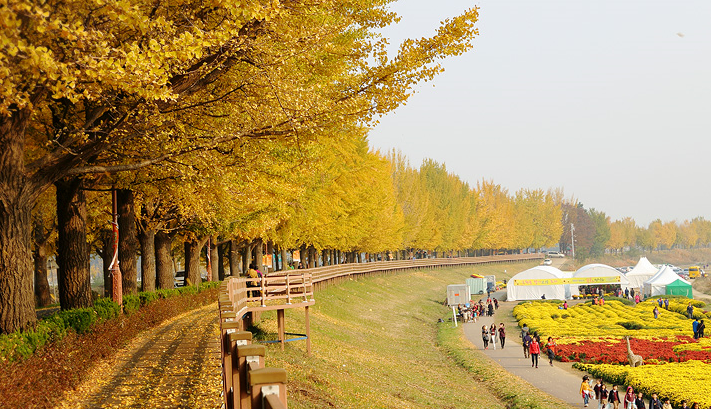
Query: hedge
<point>20,345</point>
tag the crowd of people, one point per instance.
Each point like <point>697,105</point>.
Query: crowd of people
<point>471,312</point>
<point>613,397</point>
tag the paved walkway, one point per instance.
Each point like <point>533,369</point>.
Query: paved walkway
<point>559,380</point>
<point>176,365</point>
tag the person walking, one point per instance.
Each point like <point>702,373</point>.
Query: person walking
<point>485,336</point>
<point>666,404</point>
<point>701,328</point>
<point>527,339</point>
<point>655,403</point>
<point>535,350</point>
<point>502,334</point>
<point>690,311</point>
<point>695,327</point>
<point>639,401</point>
<point>628,402</point>
<point>492,330</point>
<point>656,312</point>
<point>614,397</point>
<point>604,393</point>
<point>637,299</point>
<point>666,304</point>
<point>596,389</point>
<point>491,309</point>
<point>550,349</point>
<point>585,390</point>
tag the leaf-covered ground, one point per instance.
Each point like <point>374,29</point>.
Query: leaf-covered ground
<point>176,365</point>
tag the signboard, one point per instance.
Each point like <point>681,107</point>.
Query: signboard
<point>296,256</point>
<point>458,294</point>
<point>267,260</point>
<point>574,280</point>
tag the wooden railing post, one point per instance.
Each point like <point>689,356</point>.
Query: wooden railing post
<point>237,340</point>
<point>265,382</point>
<point>288,289</point>
<point>247,356</point>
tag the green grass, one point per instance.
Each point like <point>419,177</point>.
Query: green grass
<point>377,344</point>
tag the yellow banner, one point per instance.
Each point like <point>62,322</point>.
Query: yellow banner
<point>576,281</point>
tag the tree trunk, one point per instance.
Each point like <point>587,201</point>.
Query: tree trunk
<point>192,260</point>
<point>17,309</point>
<point>148,259</point>
<point>107,254</point>
<point>258,253</point>
<point>221,261</point>
<point>246,257</point>
<point>303,259</point>
<point>234,258</point>
<point>284,265</point>
<point>42,296</point>
<point>164,261</point>
<point>72,247</point>
<point>127,241</point>
<point>215,260</point>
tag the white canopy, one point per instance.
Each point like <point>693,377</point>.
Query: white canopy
<point>643,271</point>
<point>600,274</point>
<point>536,282</point>
<point>657,285</point>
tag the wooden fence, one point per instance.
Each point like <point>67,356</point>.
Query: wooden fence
<point>247,384</point>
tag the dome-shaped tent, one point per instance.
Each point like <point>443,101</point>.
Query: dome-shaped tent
<point>643,271</point>
<point>535,282</point>
<point>598,274</point>
<point>657,285</point>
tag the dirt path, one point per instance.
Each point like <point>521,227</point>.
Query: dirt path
<point>176,365</point>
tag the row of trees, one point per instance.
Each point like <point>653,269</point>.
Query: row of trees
<point>209,118</point>
<point>596,234</point>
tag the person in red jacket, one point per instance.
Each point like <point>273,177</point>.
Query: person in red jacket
<point>535,350</point>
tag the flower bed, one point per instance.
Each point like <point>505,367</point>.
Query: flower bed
<point>614,319</point>
<point>687,380</point>
<point>614,351</point>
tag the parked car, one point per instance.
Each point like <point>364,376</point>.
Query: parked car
<point>556,254</point>
<point>547,262</point>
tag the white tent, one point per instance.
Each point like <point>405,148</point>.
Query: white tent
<point>657,285</point>
<point>643,271</point>
<point>536,282</point>
<point>598,274</point>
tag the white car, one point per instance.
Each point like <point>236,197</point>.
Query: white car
<point>547,262</point>
<point>557,254</point>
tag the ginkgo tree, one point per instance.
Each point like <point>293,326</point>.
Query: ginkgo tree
<point>90,87</point>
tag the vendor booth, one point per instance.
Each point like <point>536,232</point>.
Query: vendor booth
<point>680,287</point>
<point>599,274</point>
<point>657,285</point>
<point>643,271</point>
<point>536,282</point>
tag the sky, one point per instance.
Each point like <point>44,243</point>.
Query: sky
<point>608,99</point>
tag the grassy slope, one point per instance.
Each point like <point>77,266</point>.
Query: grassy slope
<point>377,344</point>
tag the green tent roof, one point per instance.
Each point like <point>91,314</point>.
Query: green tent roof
<point>679,287</point>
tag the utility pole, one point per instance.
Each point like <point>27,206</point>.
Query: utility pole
<point>572,238</point>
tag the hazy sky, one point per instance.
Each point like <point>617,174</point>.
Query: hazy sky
<point>608,99</point>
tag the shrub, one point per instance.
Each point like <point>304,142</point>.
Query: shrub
<point>106,309</point>
<point>168,293</point>
<point>623,300</point>
<point>131,303</point>
<point>80,319</point>
<point>555,315</point>
<point>631,325</point>
<point>147,297</point>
